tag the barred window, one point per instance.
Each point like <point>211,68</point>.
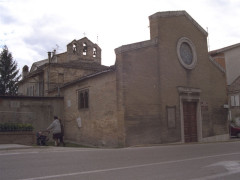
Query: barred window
<point>83,99</point>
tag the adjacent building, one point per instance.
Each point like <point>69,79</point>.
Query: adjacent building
<point>229,58</point>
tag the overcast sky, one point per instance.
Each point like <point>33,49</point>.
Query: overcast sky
<point>31,28</point>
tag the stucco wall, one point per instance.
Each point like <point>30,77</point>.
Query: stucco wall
<point>234,90</point>
<point>98,122</point>
<point>37,111</point>
<point>232,58</point>
<point>35,82</point>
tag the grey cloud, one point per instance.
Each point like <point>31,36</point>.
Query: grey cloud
<point>48,31</point>
<point>5,16</point>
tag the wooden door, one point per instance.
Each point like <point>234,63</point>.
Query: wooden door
<point>190,121</point>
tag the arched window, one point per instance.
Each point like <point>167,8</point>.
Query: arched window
<point>94,52</point>
<point>74,47</point>
<point>84,49</point>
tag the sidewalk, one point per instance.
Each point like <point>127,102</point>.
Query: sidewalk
<point>13,146</point>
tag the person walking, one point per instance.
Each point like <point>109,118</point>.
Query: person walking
<point>55,127</point>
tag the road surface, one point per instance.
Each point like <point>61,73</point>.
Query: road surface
<point>186,161</point>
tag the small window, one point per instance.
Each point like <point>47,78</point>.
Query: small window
<point>84,49</point>
<point>83,99</point>
<point>94,52</point>
<point>232,101</point>
<point>30,91</point>
<point>235,100</point>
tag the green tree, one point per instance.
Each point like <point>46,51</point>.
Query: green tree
<point>8,73</point>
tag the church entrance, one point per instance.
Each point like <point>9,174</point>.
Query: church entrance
<point>190,121</point>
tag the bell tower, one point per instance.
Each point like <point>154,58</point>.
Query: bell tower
<point>84,50</point>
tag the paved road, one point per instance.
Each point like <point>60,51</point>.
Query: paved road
<point>191,161</point>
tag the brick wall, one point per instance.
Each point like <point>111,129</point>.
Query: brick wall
<point>220,59</point>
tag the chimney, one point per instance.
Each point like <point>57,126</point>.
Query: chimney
<point>24,71</point>
<point>49,57</point>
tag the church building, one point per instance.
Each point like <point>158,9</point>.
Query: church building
<point>163,90</point>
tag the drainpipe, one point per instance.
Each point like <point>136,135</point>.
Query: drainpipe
<point>48,75</point>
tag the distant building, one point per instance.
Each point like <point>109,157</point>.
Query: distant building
<point>82,57</point>
<point>229,59</point>
<point>163,90</point>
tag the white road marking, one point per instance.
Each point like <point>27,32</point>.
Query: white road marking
<point>233,167</point>
<point>130,167</point>
<point>217,176</point>
<point>17,153</point>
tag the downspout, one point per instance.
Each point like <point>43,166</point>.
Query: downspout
<point>48,74</point>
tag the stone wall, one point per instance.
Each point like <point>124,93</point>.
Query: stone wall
<point>138,81</point>
<point>37,111</point>
<point>97,124</point>
<point>205,76</point>
<point>26,138</point>
<point>149,74</point>
<point>75,50</point>
<point>60,75</point>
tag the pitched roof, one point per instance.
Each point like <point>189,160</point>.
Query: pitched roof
<point>37,64</point>
<point>81,65</point>
<point>83,40</point>
<point>178,13</point>
<point>72,64</point>
<point>108,69</point>
<point>224,49</point>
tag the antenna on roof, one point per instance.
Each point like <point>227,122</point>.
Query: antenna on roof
<point>208,41</point>
<point>97,39</point>
<point>56,49</point>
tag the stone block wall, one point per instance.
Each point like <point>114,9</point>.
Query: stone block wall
<point>37,111</point>
<point>25,138</point>
<point>149,74</point>
<point>96,125</point>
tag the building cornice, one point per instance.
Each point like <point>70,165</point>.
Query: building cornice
<point>136,46</point>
